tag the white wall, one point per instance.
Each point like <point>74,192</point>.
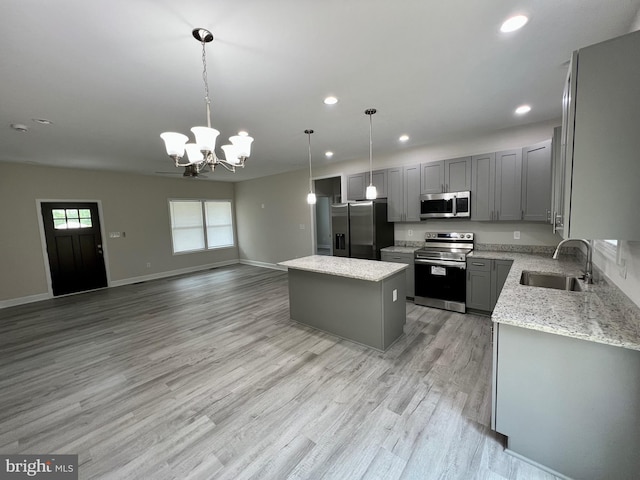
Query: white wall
<point>626,275</point>
<point>135,204</point>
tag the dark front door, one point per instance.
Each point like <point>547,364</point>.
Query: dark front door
<point>74,247</point>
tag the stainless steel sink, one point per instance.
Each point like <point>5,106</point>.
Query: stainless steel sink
<point>550,280</point>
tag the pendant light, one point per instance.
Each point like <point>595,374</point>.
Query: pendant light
<point>311,197</point>
<point>371,193</point>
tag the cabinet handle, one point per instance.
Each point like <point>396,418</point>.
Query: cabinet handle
<point>522,215</point>
<point>555,220</point>
<point>468,274</point>
<point>478,264</point>
<point>442,188</point>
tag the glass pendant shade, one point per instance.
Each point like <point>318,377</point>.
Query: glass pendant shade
<point>242,144</point>
<point>311,198</point>
<point>206,138</point>
<point>174,143</point>
<point>371,193</point>
<point>231,154</point>
<point>193,152</point>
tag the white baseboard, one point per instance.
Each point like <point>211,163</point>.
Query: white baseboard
<point>145,278</point>
<point>255,263</point>
<point>12,302</point>
<point>171,273</point>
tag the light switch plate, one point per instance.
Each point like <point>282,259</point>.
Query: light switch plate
<point>516,235</point>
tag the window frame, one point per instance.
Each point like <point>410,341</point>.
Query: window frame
<point>204,225</point>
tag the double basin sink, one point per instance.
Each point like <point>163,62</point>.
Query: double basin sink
<point>550,280</point>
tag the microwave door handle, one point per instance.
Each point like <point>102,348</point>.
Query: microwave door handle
<point>455,206</point>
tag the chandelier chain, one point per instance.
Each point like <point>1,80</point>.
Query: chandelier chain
<point>205,79</point>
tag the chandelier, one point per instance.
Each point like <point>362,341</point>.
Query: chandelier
<point>201,154</point>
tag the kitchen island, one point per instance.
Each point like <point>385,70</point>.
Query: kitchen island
<point>566,389</point>
<point>359,300</point>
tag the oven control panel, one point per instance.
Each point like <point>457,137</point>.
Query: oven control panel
<point>448,236</point>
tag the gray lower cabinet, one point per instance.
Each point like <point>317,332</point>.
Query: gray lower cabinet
<point>485,279</point>
<point>357,184</point>
<point>406,258</point>
<point>567,404</point>
<point>536,182</point>
<point>403,194</point>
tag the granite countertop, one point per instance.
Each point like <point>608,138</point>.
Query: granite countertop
<point>600,313</point>
<point>370,270</point>
<point>399,249</point>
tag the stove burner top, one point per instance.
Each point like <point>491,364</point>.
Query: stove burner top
<point>452,246</point>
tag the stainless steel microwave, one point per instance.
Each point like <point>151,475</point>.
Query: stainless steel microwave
<point>445,205</point>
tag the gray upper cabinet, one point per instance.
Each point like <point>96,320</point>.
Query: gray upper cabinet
<point>536,182</point>
<point>357,184</point>
<point>508,192</point>
<point>557,180</point>
<point>603,143</point>
<point>432,177</point>
<point>483,187</point>
<point>403,194</point>
<point>453,175</point>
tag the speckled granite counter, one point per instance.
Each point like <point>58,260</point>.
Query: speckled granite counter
<point>399,249</point>
<point>600,313</point>
<point>370,270</point>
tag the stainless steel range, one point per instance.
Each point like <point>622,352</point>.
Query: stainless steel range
<point>440,270</point>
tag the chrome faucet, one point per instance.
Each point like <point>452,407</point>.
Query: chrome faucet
<point>588,269</point>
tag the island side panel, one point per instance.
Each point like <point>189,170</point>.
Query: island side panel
<point>395,312</point>
<point>346,307</point>
<point>568,404</point>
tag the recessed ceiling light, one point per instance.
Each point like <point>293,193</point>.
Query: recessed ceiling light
<point>330,101</point>
<point>403,138</point>
<point>328,154</point>
<point>522,109</point>
<point>19,127</point>
<point>42,121</point>
<point>514,23</point>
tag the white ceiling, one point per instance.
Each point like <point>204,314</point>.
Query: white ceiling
<point>113,74</point>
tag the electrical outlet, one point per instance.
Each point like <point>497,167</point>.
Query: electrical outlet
<point>395,294</point>
<point>262,205</point>
<point>148,264</point>
<point>516,235</point>
<point>302,226</point>
<point>410,233</point>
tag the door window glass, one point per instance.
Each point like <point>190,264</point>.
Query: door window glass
<point>65,218</point>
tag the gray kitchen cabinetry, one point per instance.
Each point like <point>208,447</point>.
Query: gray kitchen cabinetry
<point>557,180</point>
<point>567,404</point>
<point>406,258</point>
<point>478,285</point>
<point>536,182</point>
<point>483,188</point>
<point>452,175</point>
<point>508,185</point>
<point>602,141</point>
<point>496,186</point>
<point>357,184</point>
<point>485,279</point>
<point>403,194</point>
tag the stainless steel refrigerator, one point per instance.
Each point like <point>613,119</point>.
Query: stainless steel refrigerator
<point>360,229</point>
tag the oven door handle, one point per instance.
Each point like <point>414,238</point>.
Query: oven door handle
<point>441,263</point>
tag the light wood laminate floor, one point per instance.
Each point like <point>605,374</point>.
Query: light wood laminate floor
<point>205,377</point>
